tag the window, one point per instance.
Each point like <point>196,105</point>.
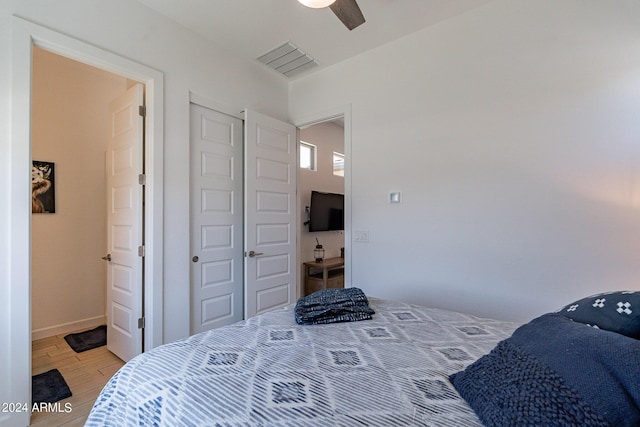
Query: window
<point>307,156</point>
<point>338,164</point>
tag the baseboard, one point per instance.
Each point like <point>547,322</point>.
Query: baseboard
<point>67,328</point>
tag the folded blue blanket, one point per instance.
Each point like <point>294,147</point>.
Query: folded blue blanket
<point>333,305</point>
<point>556,372</point>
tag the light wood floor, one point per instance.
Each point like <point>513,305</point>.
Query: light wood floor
<point>86,374</point>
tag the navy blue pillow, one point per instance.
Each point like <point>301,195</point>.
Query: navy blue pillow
<point>612,311</point>
<point>556,372</point>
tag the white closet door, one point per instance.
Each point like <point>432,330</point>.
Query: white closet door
<point>216,219</point>
<point>270,213</point>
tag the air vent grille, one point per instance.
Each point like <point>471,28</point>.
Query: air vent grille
<point>288,60</point>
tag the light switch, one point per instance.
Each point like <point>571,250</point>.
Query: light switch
<point>361,236</point>
<point>394,197</point>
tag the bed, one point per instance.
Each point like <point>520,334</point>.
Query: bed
<point>268,370</point>
<point>408,365</point>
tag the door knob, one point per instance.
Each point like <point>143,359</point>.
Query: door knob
<point>107,257</point>
<point>255,254</point>
<point>195,259</point>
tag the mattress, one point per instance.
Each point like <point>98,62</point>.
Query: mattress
<point>391,370</point>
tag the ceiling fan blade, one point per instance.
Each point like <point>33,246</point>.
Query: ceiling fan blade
<point>348,12</point>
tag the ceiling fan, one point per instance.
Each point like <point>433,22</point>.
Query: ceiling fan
<point>346,10</point>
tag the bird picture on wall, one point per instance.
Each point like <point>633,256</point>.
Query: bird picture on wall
<point>42,187</point>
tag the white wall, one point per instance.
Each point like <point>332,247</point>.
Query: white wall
<point>512,132</point>
<point>189,63</point>
<point>70,128</point>
<point>327,137</point>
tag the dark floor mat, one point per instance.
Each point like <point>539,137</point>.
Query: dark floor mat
<point>49,387</point>
<point>83,341</point>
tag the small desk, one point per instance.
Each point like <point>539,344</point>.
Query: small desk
<point>322,275</point>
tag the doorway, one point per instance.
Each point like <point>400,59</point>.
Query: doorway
<point>321,168</point>
<point>26,35</point>
<point>337,121</point>
<point>69,130</point>
<point>86,124</point>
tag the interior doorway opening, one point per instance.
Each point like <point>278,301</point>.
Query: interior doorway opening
<point>69,131</point>
<point>27,35</point>
<point>71,128</point>
<point>321,170</point>
<point>338,121</point>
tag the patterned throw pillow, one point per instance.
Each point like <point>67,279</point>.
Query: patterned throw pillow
<point>613,311</point>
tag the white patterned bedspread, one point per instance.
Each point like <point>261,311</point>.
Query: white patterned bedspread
<point>268,371</point>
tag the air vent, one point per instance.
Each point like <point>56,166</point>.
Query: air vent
<point>288,60</point>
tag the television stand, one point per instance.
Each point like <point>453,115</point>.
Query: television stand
<point>322,275</point>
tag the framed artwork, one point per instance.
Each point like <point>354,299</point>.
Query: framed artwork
<point>42,187</point>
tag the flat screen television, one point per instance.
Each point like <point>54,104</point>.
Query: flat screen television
<point>326,211</point>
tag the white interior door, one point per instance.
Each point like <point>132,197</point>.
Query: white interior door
<point>124,224</point>
<point>216,219</point>
<point>270,213</point>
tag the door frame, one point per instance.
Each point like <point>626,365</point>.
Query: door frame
<point>306,120</point>
<point>25,35</point>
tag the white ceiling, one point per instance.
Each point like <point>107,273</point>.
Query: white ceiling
<point>253,27</point>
